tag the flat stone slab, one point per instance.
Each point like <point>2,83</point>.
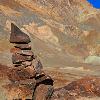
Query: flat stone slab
<point>26,52</point>
<point>17,58</point>
<point>23,46</point>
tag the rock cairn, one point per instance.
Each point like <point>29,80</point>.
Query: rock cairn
<point>28,70</point>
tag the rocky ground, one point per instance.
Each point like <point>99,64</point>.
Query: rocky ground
<point>65,36</point>
<point>65,87</point>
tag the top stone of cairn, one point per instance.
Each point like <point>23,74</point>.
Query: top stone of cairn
<point>17,36</point>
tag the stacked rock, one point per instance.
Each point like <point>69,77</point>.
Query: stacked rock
<point>28,69</point>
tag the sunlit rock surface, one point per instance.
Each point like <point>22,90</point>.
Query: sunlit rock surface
<point>65,35</point>
<point>68,30</point>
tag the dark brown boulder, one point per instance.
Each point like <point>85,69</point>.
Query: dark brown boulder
<point>17,36</point>
<point>43,92</point>
<point>18,59</point>
<point>23,46</point>
<point>45,79</point>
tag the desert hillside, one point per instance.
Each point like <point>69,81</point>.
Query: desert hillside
<point>65,35</point>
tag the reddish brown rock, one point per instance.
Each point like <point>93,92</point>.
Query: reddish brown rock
<point>38,75</point>
<point>15,50</point>
<point>23,46</point>
<point>29,83</point>
<point>26,52</point>
<point>17,58</point>
<point>16,75</point>
<point>87,86</point>
<point>17,36</point>
<point>23,64</point>
<point>37,65</point>
<point>30,70</point>
<point>43,92</point>
<point>62,94</point>
<point>27,63</point>
<point>17,65</point>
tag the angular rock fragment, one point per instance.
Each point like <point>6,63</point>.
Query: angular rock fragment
<point>62,94</point>
<point>17,65</point>
<point>20,74</point>
<point>31,70</point>
<point>15,50</point>
<point>26,52</point>
<point>37,65</point>
<point>23,46</point>
<point>43,92</point>
<point>38,75</point>
<point>86,87</point>
<point>18,59</point>
<point>46,79</point>
<point>29,83</point>
<point>27,63</point>
<point>17,36</point>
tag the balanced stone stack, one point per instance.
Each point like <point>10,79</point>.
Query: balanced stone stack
<point>28,70</point>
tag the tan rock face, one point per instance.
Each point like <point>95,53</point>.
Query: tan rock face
<point>56,23</point>
<point>63,33</point>
<point>8,11</point>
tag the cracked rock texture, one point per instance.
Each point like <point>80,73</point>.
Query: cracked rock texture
<point>65,35</point>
